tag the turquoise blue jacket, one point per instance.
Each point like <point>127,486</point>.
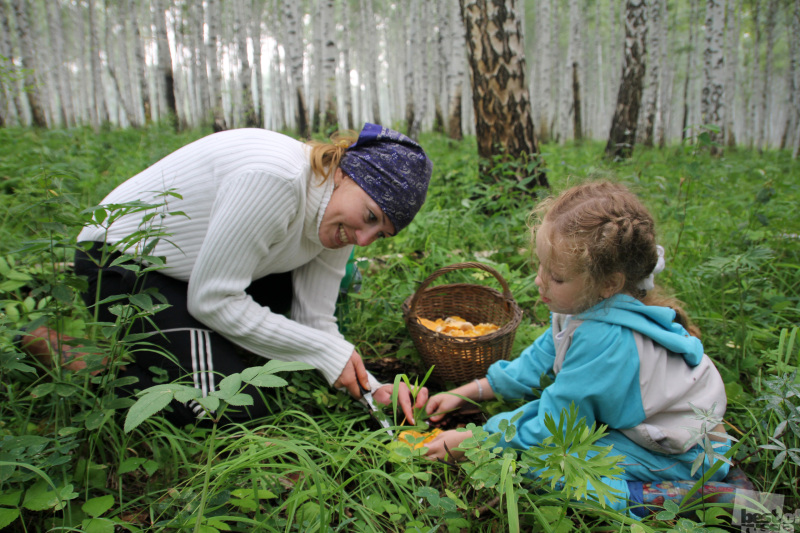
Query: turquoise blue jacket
<point>623,364</point>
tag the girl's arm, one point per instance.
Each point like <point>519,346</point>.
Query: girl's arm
<point>446,402</point>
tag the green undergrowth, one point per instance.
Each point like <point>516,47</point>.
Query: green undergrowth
<point>73,454</point>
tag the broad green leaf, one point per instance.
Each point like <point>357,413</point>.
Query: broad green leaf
<point>98,525</point>
<point>240,399</point>
<point>130,464</point>
<point>146,406</point>
<point>273,365</point>
<point>10,497</point>
<point>211,403</point>
<point>229,386</point>
<point>266,380</point>
<point>41,496</point>
<point>7,516</point>
<point>97,506</point>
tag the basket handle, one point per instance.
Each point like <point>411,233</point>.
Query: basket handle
<point>457,266</point>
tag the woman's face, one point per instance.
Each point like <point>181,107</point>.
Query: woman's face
<point>352,216</point>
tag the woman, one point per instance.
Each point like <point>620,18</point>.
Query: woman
<point>256,229</point>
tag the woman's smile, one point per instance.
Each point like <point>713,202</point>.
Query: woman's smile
<point>342,237</point>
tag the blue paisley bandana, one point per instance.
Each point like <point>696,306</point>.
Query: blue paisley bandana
<point>392,169</point>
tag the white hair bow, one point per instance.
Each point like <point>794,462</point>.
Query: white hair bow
<point>647,283</point>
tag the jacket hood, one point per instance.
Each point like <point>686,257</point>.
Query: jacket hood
<point>651,321</point>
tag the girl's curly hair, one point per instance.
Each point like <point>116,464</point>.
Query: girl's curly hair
<point>602,228</point>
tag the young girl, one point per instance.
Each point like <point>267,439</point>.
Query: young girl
<point>625,356</point>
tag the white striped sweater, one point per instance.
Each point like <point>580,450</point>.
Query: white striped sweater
<point>252,208</point>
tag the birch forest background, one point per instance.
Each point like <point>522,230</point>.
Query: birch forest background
<point>314,65</point>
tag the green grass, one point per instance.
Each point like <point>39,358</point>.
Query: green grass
<point>730,228</point>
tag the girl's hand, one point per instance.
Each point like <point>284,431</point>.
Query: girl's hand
<point>447,440</point>
<point>442,404</point>
<point>384,396</point>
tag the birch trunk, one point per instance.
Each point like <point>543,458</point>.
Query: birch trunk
<point>60,75</point>
<point>623,126</point>
<point>496,58</point>
<point>713,102</point>
<point>100,109</point>
<point>543,100</point>
<point>26,48</point>
<point>164,57</point>
<point>317,75</point>
<point>689,64</point>
<point>201,61</point>
<point>255,31</point>
<point>653,70</point>
<point>574,61</point>
<point>294,53</point>
<point>212,19</point>
<point>347,93</point>
<point>755,91</point>
<point>795,59</point>
<point>121,88</point>
<point>733,14</point>
<point>420,62</point>
<point>370,60</point>
<point>455,71</point>
<point>245,72</point>
<point>139,65</point>
<point>6,49</point>
<point>410,77</point>
<point>766,99</point>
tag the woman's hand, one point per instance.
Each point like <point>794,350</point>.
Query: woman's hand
<point>384,396</point>
<point>446,444</point>
<point>353,374</point>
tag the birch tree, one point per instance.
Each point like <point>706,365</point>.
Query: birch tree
<point>139,65</point>
<point>60,75</point>
<point>121,55</point>
<point>574,60</point>
<point>653,71</point>
<point>164,57</point>
<point>455,69</point>
<point>712,108</point>
<point>26,48</point>
<point>245,73</point>
<point>347,93</point>
<point>410,72</point>
<point>329,56</point>
<point>733,25</point>
<point>7,68</point>
<point>689,67</point>
<point>258,8</point>
<point>766,100</point>
<point>795,61</point>
<point>623,126</point>
<point>496,58</point>
<point>212,19</point>
<point>369,58</point>
<point>543,99</point>
<point>294,53</point>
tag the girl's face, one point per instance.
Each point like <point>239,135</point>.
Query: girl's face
<point>561,288</point>
<point>352,216</point>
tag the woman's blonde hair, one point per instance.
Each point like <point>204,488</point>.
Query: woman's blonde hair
<point>325,156</point>
<point>601,228</point>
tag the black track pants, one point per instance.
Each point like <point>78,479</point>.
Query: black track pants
<point>198,354</point>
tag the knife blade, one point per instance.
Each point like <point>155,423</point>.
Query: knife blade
<point>367,400</point>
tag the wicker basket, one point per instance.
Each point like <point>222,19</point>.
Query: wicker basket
<point>460,359</point>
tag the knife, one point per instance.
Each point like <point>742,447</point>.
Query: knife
<point>366,399</point>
